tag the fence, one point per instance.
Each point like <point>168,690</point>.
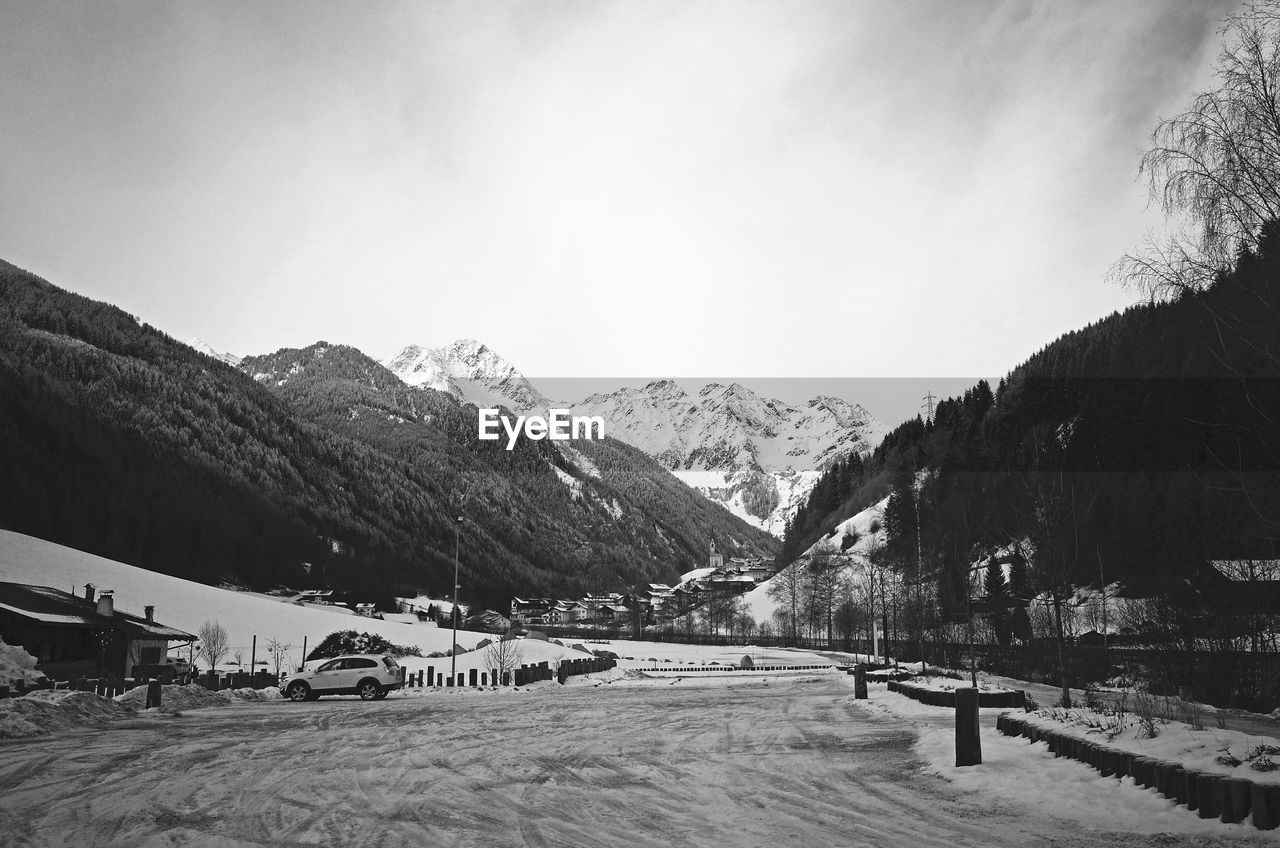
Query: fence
<point>1243,679</point>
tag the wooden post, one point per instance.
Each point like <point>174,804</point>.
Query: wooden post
<point>1236,799</point>
<point>1265,802</point>
<point>968,740</point>
<point>474,677</point>
<point>431,675</point>
<point>253,655</point>
<point>860,682</point>
<point>153,694</point>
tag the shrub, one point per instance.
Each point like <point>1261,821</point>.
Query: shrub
<point>1192,715</point>
<point>1145,710</point>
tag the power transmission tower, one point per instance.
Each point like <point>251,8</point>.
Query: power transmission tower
<point>928,406</point>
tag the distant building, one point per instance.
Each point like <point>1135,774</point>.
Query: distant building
<point>487,621</point>
<point>526,611</point>
<point>72,636</point>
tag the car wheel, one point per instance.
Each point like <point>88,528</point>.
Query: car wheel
<point>299,692</point>
<point>368,689</point>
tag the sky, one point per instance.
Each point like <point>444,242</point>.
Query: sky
<point>597,189</point>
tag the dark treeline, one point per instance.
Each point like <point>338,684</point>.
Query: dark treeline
<point>1135,449</point>
<point>116,439</point>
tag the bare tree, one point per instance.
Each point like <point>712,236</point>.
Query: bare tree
<point>213,642</point>
<point>787,589</point>
<point>279,652</point>
<point>1214,169</point>
<point>503,656</point>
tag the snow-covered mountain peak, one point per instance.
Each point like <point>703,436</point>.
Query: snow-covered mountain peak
<point>469,370</point>
<point>207,349</point>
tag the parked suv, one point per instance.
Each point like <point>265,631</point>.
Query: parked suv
<point>368,675</point>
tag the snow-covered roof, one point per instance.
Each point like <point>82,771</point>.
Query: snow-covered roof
<point>47,605</point>
<point>50,617</point>
<point>696,574</point>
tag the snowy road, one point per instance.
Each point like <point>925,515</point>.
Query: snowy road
<point>705,763</point>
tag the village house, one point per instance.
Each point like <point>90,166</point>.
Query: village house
<point>72,635</point>
<point>526,611</point>
<point>563,613</point>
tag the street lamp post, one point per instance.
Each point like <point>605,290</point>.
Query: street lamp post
<point>453,614</point>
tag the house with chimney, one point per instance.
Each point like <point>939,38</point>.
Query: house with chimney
<point>74,635</point>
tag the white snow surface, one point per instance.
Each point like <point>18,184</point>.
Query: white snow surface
<point>1016,772</point>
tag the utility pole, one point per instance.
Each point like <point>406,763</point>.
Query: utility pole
<point>924,666</point>
<point>453,650</point>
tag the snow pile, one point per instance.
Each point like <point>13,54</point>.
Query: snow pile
<point>175,698</point>
<point>47,711</point>
<point>16,664</point>
<point>271,693</point>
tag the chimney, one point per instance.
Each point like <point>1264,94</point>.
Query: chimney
<point>150,612</point>
<point>88,592</point>
<point>106,606</point>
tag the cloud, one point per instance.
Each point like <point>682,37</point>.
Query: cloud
<point>603,187</point>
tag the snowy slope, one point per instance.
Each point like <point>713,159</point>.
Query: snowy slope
<point>759,457</point>
<point>762,607</point>
<point>470,371</point>
<point>186,605</point>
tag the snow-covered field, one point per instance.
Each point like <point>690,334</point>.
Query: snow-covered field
<point>742,758</point>
<point>614,759</point>
<point>186,605</point>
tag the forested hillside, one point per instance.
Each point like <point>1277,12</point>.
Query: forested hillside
<point>1135,449</point>
<point>118,440</point>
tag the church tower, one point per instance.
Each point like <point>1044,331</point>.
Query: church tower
<point>716,560</point>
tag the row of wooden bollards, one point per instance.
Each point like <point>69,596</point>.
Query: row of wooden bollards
<point>472,677</point>
<point>521,676</point>
<point>1211,795</point>
<point>751,669</point>
<point>947,697</point>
